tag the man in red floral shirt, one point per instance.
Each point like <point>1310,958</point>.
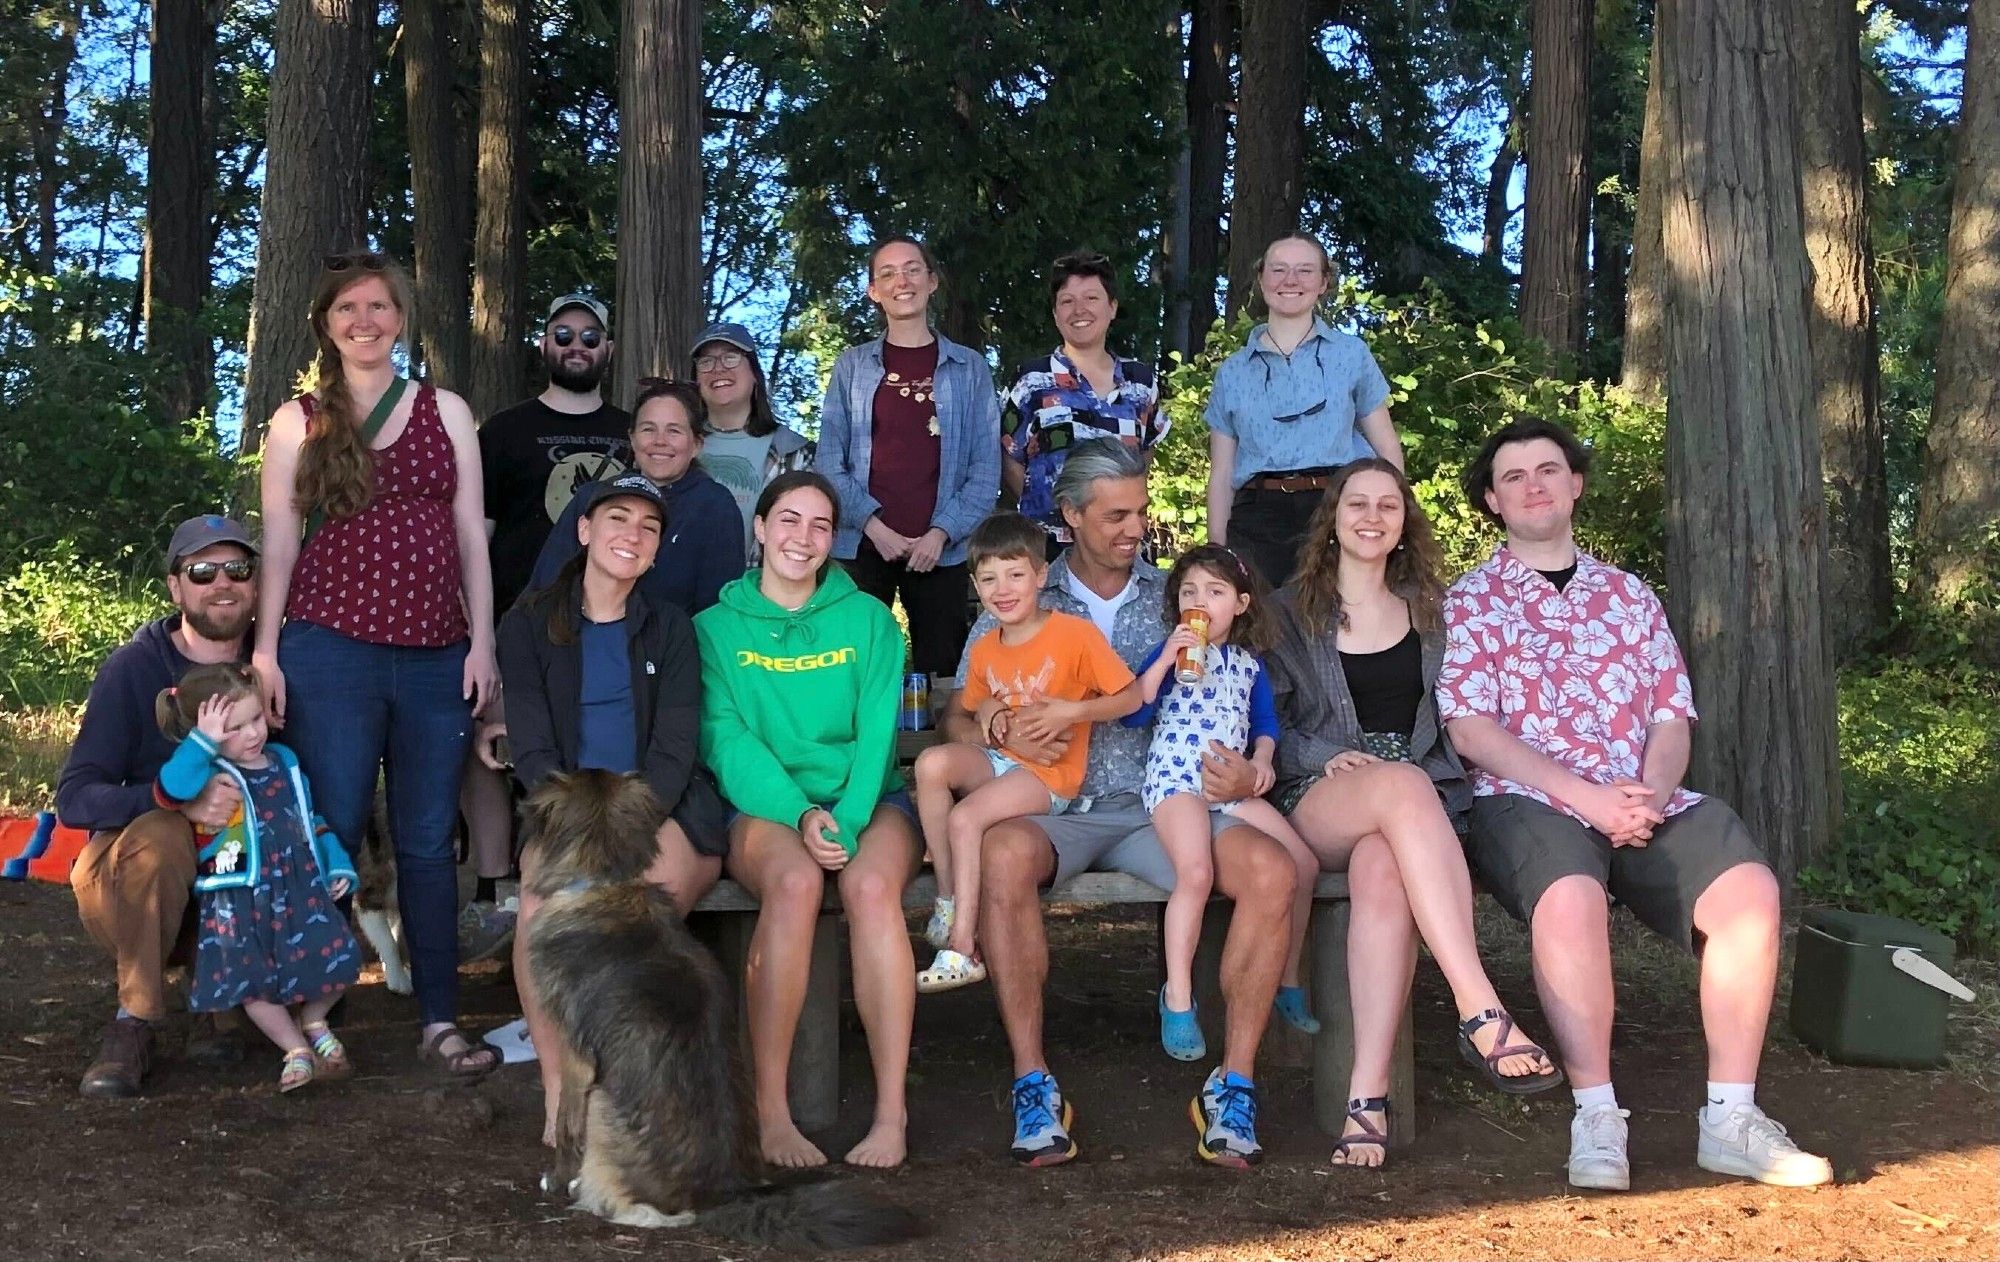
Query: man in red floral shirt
<point>1567,696</point>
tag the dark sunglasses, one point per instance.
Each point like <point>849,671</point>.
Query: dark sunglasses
<point>1289,417</point>
<point>366,260</point>
<point>563,335</point>
<point>202,573</point>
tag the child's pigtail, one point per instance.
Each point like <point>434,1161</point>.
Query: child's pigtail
<point>167,713</point>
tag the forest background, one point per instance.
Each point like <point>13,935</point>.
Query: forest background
<point>1516,194</point>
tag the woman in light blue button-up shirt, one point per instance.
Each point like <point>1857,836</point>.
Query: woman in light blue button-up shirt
<point>1297,402</point>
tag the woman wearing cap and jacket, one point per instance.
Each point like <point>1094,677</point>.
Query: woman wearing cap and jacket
<point>746,446</point>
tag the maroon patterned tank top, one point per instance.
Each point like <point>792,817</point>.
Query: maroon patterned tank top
<point>389,574</point>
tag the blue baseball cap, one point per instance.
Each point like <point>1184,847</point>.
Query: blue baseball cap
<point>196,533</point>
<point>730,334</point>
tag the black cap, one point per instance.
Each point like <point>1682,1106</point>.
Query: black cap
<point>196,533</point>
<point>626,484</point>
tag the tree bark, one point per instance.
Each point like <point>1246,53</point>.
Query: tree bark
<point>1746,538</point>
<point>1270,137</point>
<point>315,176</point>
<point>1493,233</point>
<point>1644,371</point>
<point>1211,35</point>
<point>1553,284</point>
<point>500,235</point>
<point>437,185</point>
<point>659,190</point>
<point>1959,501</point>
<point>1174,332</point>
<point>48,132</point>
<point>1845,355</point>
<point>180,166</point>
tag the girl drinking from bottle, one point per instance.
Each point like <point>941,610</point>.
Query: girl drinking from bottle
<point>1205,682</point>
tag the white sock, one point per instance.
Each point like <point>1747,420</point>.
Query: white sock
<point>1724,1096</point>
<point>1600,1096</point>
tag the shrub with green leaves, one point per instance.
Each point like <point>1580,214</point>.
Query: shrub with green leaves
<point>1920,768</point>
<point>59,620</point>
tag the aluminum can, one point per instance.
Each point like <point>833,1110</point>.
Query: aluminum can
<point>1188,663</point>
<point>915,715</point>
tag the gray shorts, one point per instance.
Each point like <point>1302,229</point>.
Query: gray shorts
<point>1115,835</point>
<point>1519,848</point>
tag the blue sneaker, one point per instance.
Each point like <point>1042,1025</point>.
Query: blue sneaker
<point>1041,1121</point>
<point>1225,1116</point>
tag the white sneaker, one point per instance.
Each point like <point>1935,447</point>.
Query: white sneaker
<point>1597,1157</point>
<point>1749,1145</point>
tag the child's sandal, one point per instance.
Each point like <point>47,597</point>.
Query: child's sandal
<point>298,1070</point>
<point>328,1053</point>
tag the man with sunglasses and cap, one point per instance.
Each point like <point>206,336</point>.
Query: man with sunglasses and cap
<point>134,880</point>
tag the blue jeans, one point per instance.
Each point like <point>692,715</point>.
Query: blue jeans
<point>352,708</point>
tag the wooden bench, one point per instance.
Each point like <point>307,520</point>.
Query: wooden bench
<point>728,916</point>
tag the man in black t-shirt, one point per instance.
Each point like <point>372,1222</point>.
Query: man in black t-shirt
<point>537,453</point>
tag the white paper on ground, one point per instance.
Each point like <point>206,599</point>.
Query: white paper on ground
<point>513,1041</point>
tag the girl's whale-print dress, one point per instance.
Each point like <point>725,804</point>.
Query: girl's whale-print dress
<point>1231,703</point>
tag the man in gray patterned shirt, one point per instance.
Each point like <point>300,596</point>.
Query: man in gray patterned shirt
<point>1102,495</point>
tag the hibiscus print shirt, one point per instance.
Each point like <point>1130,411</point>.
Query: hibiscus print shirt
<point>1577,674</point>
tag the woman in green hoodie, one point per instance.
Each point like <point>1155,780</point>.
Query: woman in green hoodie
<point>801,675</point>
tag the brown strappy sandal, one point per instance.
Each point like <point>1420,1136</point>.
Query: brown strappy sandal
<point>1357,1113</point>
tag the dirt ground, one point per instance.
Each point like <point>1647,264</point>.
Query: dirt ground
<point>217,1164</point>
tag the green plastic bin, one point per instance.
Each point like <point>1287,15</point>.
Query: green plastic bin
<point>1872,990</point>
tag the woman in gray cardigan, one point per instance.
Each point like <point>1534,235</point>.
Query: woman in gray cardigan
<point>1371,783</point>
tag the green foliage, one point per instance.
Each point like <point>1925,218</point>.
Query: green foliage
<point>59,619</point>
<point>1453,382</point>
<point>1920,768</point>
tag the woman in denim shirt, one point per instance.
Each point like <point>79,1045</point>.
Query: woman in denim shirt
<point>910,438</point>
<point>1297,402</point>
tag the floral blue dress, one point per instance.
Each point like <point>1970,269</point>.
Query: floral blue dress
<point>280,939</point>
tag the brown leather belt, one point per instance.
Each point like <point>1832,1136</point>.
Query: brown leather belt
<point>1289,482</point>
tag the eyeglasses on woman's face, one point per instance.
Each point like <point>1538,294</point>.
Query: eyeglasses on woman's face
<point>718,360</point>
<point>1293,271</point>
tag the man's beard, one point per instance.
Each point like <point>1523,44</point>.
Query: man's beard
<point>575,380</point>
<point>226,624</point>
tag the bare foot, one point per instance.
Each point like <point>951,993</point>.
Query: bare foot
<point>880,1149</point>
<point>783,1146</point>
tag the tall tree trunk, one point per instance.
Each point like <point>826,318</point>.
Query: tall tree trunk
<point>437,184</point>
<point>1270,137</point>
<point>1493,227</point>
<point>1557,224</point>
<point>1614,177</point>
<point>180,167</point>
<point>1845,356</point>
<point>1959,501</point>
<point>1644,371</point>
<point>1211,35</point>
<point>315,177</point>
<point>1746,537</point>
<point>500,238</point>
<point>659,190</point>
<point>1174,333</point>
<point>48,134</point>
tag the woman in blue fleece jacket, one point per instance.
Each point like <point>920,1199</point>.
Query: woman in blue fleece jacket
<point>269,933</point>
<point>702,544</point>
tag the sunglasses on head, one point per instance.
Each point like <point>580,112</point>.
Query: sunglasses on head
<point>366,260</point>
<point>563,335</point>
<point>202,573</point>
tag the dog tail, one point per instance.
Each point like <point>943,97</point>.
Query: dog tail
<point>815,1216</point>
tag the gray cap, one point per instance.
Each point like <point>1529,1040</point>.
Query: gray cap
<point>730,334</point>
<point>584,301</point>
<point>196,533</point>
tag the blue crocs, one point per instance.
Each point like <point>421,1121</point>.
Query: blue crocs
<point>1180,1032</point>
<point>1041,1121</point>
<point>1291,1005</point>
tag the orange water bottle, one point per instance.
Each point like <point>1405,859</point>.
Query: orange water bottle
<point>1188,664</point>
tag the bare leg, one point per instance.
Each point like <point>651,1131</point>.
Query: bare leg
<point>1570,933</point>
<point>488,807</point>
<point>1265,818</point>
<point>1012,796</point>
<point>1017,859</point>
<point>1381,964</point>
<point>680,872</point>
<point>771,861</point>
<point>275,1020</point>
<point>885,984</point>
<point>1254,872</point>
<point>1182,824</point>
<point>1738,915</point>
<point>942,774</point>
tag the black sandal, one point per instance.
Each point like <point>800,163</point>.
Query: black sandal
<point>1489,1062</point>
<point>1357,1113</point>
<point>475,1060</point>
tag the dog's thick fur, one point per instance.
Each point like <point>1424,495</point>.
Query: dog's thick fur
<point>655,1128</point>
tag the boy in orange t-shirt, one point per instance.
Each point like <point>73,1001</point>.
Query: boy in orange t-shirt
<point>1053,672</point>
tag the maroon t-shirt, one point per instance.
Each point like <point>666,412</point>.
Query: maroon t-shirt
<point>903,450</point>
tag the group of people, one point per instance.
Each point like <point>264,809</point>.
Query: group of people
<point>1529,724</point>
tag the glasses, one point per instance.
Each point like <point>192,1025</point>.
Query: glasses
<point>722,359</point>
<point>366,260</point>
<point>1294,271</point>
<point>563,335</point>
<point>909,271</point>
<point>202,573</point>
<point>1289,417</point>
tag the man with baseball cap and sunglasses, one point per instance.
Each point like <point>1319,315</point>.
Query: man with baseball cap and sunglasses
<point>134,880</point>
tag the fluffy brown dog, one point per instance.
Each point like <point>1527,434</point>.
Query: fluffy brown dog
<point>655,1128</point>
